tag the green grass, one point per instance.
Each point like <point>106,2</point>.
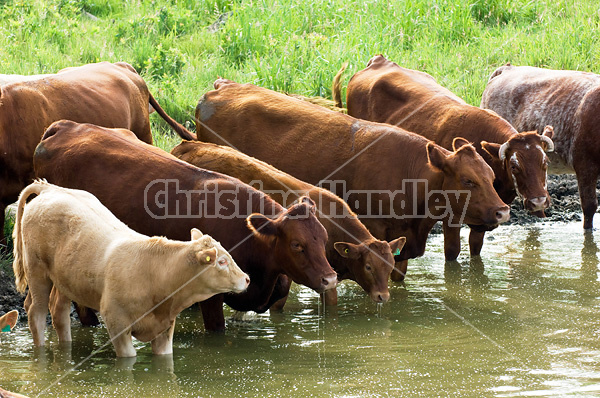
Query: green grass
<point>295,45</point>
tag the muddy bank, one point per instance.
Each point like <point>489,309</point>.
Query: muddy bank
<point>565,208</point>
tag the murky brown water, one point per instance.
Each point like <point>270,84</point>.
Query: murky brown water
<point>523,321</point>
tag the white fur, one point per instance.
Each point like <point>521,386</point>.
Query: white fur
<point>67,239</point>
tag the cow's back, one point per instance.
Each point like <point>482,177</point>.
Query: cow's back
<point>531,98</point>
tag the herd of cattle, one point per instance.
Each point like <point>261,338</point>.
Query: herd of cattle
<point>90,232</point>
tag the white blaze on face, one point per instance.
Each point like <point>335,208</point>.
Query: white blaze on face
<point>544,160</point>
<point>515,161</point>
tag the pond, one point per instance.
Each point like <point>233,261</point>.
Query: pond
<point>524,320</point>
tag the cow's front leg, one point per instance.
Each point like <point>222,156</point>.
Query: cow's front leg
<point>451,241</point>
<point>587,176</point>
<point>120,336</point>
<point>212,313</point>
<point>399,272</point>
<point>163,343</point>
<point>476,242</point>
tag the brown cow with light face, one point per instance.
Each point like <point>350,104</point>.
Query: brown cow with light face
<point>397,182</point>
<point>351,249</point>
<point>531,98</point>
<point>387,93</point>
<point>106,94</point>
<point>155,193</point>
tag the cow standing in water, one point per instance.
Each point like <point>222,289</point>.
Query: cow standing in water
<point>106,94</point>
<point>155,193</point>
<point>531,98</point>
<point>68,242</point>
<point>387,93</point>
<point>385,162</point>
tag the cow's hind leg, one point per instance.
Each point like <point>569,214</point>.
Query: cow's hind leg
<point>60,309</point>
<point>163,343</point>
<point>587,177</point>
<point>39,293</point>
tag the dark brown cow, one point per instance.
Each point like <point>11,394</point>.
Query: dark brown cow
<point>155,193</point>
<point>387,93</point>
<point>351,249</point>
<point>106,94</point>
<point>314,144</point>
<point>531,98</point>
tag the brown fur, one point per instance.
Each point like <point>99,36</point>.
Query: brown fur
<point>531,98</point>
<point>313,143</point>
<point>387,93</point>
<point>372,263</point>
<point>106,94</point>
<point>89,157</point>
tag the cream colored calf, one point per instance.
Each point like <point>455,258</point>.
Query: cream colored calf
<point>67,239</point>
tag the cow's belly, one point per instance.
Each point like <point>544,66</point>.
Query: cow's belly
<point>558,165</point>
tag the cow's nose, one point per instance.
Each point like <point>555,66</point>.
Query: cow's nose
<point>247,281</point>
<point>380,297</point>
<point>503,214</point>
<point>538,203</point>
<point>328,282</point>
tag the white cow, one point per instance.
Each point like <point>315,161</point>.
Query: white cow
<point>67,239</point>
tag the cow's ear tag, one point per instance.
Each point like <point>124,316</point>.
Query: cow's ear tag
<point>346,250</point>
<point>397,252</point>
<point>6,328</point>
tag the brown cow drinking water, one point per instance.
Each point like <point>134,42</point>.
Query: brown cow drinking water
<point>399,183</point>
<point>155,193</point>
<point>351,249</point>
<point>106,94</point>
<point>387,93</point>
<point>531,98</point>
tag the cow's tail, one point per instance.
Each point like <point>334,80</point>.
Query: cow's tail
<point>336,90</point>
<point>18,267</point>
<point>179,129</point>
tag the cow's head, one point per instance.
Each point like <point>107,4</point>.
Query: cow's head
<point>298,241</point>
<point>371,264</point>
<point>466,173</point>
<point>224,275</point>
<point>524,164</point>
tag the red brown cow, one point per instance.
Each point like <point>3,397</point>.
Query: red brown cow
<point>351,249</point>
<point>155,193</point>
<point>399,183</point>
<point>110,95</point>
<point>387,93</point>
<point>531,98</point>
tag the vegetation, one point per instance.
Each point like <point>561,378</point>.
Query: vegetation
<point>294,45</point>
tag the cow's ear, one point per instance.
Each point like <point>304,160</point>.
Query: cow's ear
<point>207,256</point>
<point>459,142</point>
<point>397,244</point>
<point>261,225</point>
<point>491,148</point>
<point>347,250</point>
<point>196,234</point>
<point>436,156</point>
<point>312,206</point>
<point>548,131</point>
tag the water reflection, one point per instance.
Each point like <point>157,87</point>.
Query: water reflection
<point>589,261</point>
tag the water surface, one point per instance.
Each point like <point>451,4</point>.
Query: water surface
<point>524,320</point>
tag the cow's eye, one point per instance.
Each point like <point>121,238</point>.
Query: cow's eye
<point>468,183</point>
<point>296,246</point>
<point>223,262</point>
<point>368,267</point>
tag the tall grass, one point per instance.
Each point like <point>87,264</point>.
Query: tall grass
<point>295,45</point>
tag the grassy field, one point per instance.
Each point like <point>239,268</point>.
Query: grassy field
<point>295,45</point>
